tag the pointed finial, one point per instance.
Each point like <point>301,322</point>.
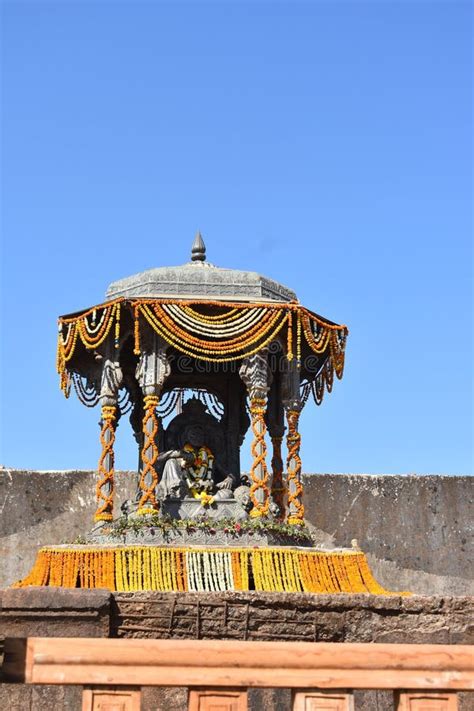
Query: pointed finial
<point>198,250</point>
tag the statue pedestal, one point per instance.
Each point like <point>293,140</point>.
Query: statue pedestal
<point>192,508</point>
<point>205,537</point>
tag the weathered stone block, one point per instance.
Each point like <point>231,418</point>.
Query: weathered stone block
<point>373,700</point>
<point>33,697</point>
<point>156,698</point>
<point>280,616</point>
<point>54,612</point>
<point>269,699</point>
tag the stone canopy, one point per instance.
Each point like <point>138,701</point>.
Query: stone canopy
<point>197,279</point>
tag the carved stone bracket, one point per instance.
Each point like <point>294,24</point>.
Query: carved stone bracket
<point>153,368</point>
<point>256,374</point>
<point>110,382</point>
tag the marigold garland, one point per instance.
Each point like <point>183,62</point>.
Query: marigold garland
<point>244,322</point>
<point>230,315</point>
<point>293,465</point>
<point>149,476</point>
<point>289,343</point>
<point>134,568</point>
<point>298,339</point>
<point>259,471</point>
<point>105,484</point>
<point>231,349</point>
<point>236,331</point>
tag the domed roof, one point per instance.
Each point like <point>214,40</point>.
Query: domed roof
<point>200,280</point>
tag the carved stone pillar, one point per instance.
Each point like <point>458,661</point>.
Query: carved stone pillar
<point>276,430</point>
<point>111,380</point>
<point>278,489</point>
<point>136,421</point>
<point>293,406</point>
<point>152,370</point>
<point>256,376</point>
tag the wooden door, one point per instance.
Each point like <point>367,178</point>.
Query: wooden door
<point>113,699</point>
<point>311,700</point>
<point>217,700</point>
<point>427,701</point>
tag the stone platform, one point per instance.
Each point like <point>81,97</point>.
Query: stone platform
<point>62,612</point>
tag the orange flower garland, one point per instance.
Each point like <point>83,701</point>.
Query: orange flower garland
<point>293,465</point>
<point>238,330</point>
<point>259,471</point>
<point>149,476</point>
<point>105,484</point>
<point>133,568</point>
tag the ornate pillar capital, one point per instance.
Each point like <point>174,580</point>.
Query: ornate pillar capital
<point>110,382</point>
<point>153,367</point>
<point>256,375</point>
<point>293,405</point>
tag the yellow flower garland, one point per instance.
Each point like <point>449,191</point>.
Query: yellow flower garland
<point>168,569</point>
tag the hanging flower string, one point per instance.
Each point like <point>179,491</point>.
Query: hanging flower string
<point>92,328</point>
<point>166,569</point>
<point>235,332</point>
<point>259,491</point>
<point>105,483</point>
<point>149,475</point>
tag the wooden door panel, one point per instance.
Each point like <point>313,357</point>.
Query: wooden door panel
<point>112,699</point>
<point>427,701</point>
<point>311,700</point>
<point>217,700</point>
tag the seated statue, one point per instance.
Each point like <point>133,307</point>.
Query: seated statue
<point>198,473</point>
<point>188,472</point>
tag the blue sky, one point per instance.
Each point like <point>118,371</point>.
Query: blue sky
<point>325,144</point>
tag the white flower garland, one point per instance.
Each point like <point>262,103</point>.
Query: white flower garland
<point>94,328</point>
<point>69,327</point>
<point>209,571</point>
<point>228,571</point>
<point>208,578</point>
<point>251,317</point>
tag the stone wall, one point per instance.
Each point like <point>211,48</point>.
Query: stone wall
<point>251,616</point>
<point>298,617</point>
<point>46,508</point>
<point>416,530</point>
